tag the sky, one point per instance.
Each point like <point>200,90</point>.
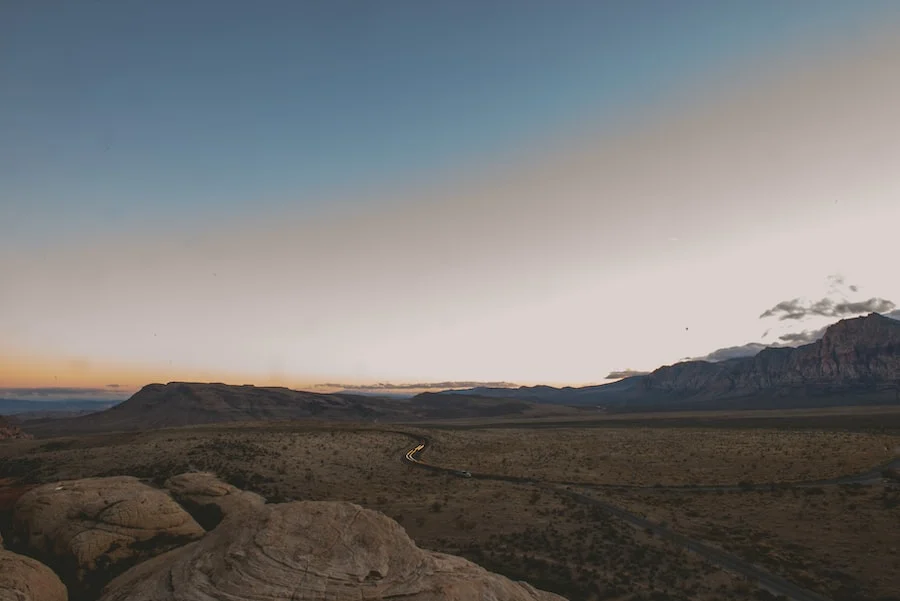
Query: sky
<point>350,193</point>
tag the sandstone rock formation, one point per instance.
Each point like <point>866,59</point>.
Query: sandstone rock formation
<point>209,499</point>
<point>312,550</point>
<point>24,579</point>
<point>89,529</point>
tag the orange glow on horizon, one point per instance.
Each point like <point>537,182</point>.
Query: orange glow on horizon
<point>19,371</point>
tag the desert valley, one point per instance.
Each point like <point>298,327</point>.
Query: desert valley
<point>166,494</point>
<point>474,300</point>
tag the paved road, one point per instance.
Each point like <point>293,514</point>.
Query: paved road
<point>774,584</point>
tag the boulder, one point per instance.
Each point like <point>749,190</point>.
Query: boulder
<point>92,529</point>
<point>25,579</point>
<point>209,499</point>
<point>312,550</point>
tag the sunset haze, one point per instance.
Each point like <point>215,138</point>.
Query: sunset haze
<point>331,194</point>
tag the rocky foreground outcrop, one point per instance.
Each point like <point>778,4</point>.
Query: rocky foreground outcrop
<point>94,529</point>
<point>88,529</point>
<point>308,550</point>
<point>208,499</point>
<point>24,579</point>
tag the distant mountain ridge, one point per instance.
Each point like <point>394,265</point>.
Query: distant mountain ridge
<point>859,356</point>
<point>856,361</point>
<point>191,403</point>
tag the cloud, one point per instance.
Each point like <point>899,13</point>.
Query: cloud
<point>785,340</point>
<point>114,386</point>
<point>873,305</point>
<point>835,282</point>
<point>804,337</point>
<point>625,373</point>
<point>835,303</point>
<point>792,309</point>
<point>826,307</point>
<point>417,386</point>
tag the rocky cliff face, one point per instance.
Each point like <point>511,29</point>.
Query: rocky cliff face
<point>24,579</point>
<point>861,354</point>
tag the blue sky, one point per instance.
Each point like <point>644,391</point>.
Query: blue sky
<point>117,113</point>
<point>306,192</point>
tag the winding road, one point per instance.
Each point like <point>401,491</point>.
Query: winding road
<point>771,582</point>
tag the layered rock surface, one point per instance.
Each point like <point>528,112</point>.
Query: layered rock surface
<point>312,550</point>
<point>92,529</point>
<point>24,579</point>
<point>209,499</point>
<point>88,529</point>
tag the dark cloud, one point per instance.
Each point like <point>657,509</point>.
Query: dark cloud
<point>792,309</point>
<point>804,337</point>
<point>114,386</point>
<point>418,385</point>
<point>797,309</point>
<point>790,339</point>
<point>625,373</point>
<point>873,305</point>
<point>834,304</point>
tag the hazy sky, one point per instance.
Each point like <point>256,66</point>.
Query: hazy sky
<point>353,192</point>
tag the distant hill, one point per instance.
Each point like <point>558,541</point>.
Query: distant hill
<point>184,404</point>
<point>857,361</point>
<point>187,403</point>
